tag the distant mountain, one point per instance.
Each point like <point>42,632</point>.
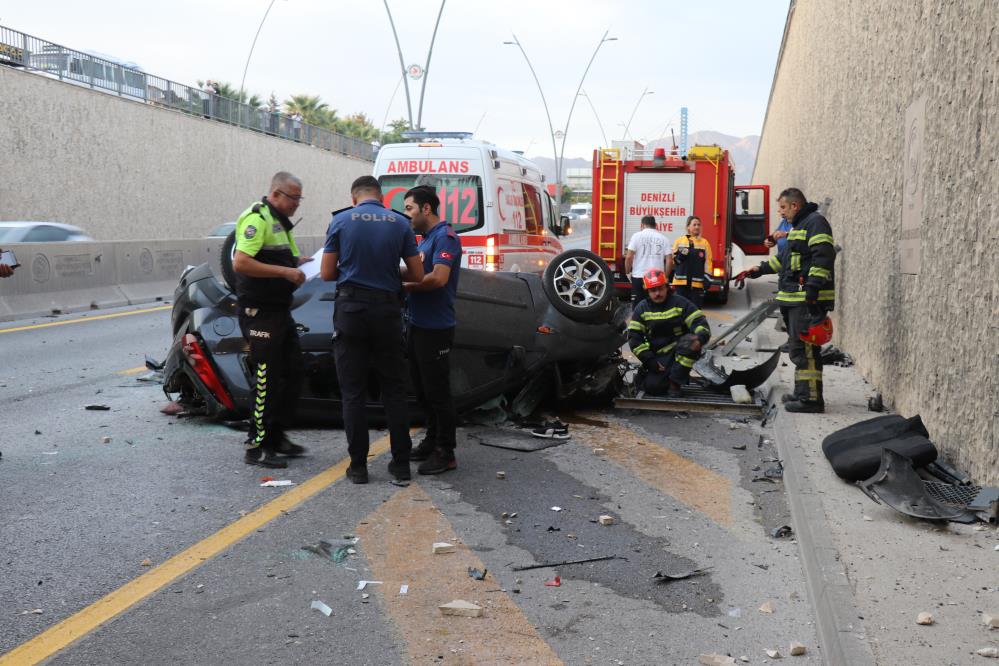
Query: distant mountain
<point>742,151</point>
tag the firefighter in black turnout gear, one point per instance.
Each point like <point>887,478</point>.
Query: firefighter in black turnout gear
<point>666,333</point>
<point>806,286</point>
<point>266,263</point>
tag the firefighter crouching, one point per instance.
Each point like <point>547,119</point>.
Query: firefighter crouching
<point>805,285</point>
<point>666,333</point>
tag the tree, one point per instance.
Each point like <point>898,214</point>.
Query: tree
<point>312,109</point>
<point>394,133</point>
<point>359,126</point>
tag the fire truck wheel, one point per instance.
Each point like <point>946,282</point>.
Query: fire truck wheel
<point>579,284</point>
<point>227,256</point>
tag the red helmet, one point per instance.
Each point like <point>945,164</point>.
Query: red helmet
<point>818,333</point>
<point>654,277</point>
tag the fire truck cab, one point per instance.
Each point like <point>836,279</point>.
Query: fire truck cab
<point>495,199</point>
<point>630,182</point>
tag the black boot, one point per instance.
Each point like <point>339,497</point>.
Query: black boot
<point>264,458</point>
<point>422,451</point>
<point>439,462</point>
<point>804,406</point>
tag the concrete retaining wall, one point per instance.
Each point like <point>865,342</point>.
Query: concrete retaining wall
<point>889,112</point>
<point>70,277</point>
<point>124,170</point>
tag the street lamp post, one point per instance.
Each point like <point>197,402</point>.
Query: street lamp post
<point>559,155</point>
<point>551,128</point>
<point>423,73</point>
<point>252,45</point>
<point>565,134</point>
<point>599,124</point>
<point>640,98</point>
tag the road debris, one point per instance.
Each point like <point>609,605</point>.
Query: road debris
<point>924,618</point>
<point>555,582</point>
<point>105,439</point>
<point>443,547</point>
<point>739,447</point>
<point>990,652</point>
<point>321,607</point>
<point>767,607</point>
<point>797,649</point>
<point>567,562</point>
<point>361,584</point>
<point>477,574</point>
<point>404,589</point>
<point>740,395</point>
<point>500,475</point>
<point>782,532</point>
<point>876,403</point>
<point>667,577</point>
<point>98,408</point>
<point>715,659</point>
<point>276,483</point>
<point>461,608</point>
<point>146,562</point>
<point>599,451</point>
<point>33,611</point>
<point>172,408</point>
<point>556,508</point>
<point>990,620</point>
<point>774,654</point>
<point>606,520</point>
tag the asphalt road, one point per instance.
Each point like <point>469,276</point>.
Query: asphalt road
<point>83,518</point>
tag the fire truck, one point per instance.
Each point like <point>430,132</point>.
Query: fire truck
<point>630,182</point>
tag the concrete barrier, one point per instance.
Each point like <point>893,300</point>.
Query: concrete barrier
<point>56,278</point>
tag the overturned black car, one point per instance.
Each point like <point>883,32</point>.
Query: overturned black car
<point>520,336</point>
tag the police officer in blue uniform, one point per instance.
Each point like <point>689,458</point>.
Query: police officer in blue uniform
<point>362,252</point>
<point>431,328</point>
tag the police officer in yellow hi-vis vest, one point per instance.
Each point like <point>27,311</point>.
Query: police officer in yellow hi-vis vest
<point>806,286</point>
<point>266,264</point>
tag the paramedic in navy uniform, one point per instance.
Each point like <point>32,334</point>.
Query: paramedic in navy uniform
<point>363,248</point>
<point>431,328</point>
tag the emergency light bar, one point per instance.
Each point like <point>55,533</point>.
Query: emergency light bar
<point>422,136</point>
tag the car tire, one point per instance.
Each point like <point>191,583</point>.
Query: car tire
<point>579,285</point>
<point>226,258</point>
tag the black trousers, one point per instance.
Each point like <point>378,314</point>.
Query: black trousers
<point>275,363</point>
<point>678,369</point>
<point>430,364</point>
<point>806,358</point>
<point>694,295</point>
<point>637,289</point>
<point>369,336</point>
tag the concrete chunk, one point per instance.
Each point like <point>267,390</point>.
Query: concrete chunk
<point>924,619</point>
<point>444,547</point>
<point>461,608</point>
<point>797,649</point>
<point>715,659</point>
<point>990,620</point>
<point>990,652</point>
<point>767,607</point>
<point>774,654</point>
<point>606,520</point>
<point>500,475</point>
<point>741,395</point>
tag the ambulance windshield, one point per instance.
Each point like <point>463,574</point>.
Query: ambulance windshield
<point>459,194</point>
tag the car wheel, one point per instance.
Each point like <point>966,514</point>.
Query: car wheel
<point>228,256</point>
<point>579,285</point>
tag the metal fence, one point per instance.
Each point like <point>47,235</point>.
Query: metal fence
<point>127,80</point>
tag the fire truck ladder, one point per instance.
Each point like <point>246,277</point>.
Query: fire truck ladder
<point>607,212</point>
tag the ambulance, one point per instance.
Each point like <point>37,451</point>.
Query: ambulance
<point>495,199</point>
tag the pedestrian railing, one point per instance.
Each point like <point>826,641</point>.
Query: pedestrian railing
<point>128,80</point>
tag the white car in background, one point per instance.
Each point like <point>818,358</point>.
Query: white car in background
<point>40,232</point>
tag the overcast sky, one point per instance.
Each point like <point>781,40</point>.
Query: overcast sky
<point>714,57</point>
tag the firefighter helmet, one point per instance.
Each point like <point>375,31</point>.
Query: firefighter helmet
<point>654,277</point>
<point>819,333</point>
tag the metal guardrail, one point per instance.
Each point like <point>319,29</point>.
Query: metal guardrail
<point>128,80</point>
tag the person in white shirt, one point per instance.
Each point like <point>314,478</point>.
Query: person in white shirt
<point>646,249</point>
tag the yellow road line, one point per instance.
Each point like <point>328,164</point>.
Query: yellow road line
<point>131,371</point>
<point>396,540</point>
<point>698,487</point>
<point>76,626</point>
<point>84,319</point>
